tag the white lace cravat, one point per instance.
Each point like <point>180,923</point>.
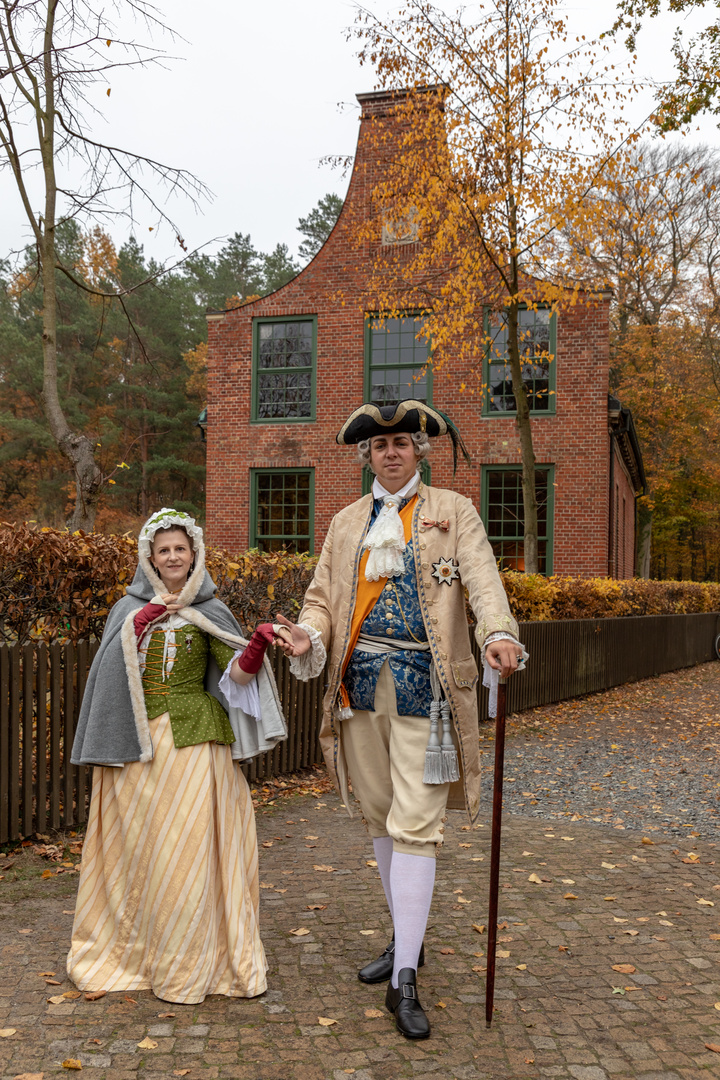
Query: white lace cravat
<point>386,537</point>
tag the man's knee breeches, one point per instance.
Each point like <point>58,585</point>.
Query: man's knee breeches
<point>386,760</point>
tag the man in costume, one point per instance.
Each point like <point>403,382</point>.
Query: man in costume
<point>387,602</point>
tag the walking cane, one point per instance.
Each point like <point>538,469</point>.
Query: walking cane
<point>495,851</point>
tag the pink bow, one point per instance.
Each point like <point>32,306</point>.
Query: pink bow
<point>444,525</point>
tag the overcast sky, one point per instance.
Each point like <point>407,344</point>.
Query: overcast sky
<point>261,92</point>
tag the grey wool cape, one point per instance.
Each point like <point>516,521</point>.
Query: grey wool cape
<point>113,726</point>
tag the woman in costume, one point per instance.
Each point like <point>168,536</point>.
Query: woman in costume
<point>168,896</point>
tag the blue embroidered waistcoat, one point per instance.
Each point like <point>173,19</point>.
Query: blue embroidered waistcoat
<point>396,616</point>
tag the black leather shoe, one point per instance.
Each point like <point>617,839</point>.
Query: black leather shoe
<point>380,970</point>
<point>410,1017</point>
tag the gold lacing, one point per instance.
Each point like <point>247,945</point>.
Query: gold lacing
<point>154,667</point>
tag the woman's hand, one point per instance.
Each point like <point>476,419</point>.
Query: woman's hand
<point>503,655</point>
<point>299,641</point>
<point>171,602</point>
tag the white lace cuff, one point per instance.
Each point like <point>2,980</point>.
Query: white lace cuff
<point>491,675</point>
<point>244,697</point>
<point>311,663</point>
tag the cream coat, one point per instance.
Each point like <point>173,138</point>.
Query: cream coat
<point>330,601</point>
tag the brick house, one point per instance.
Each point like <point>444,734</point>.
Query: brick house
<point>285,371</point>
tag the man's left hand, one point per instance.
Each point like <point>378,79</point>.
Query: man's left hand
<point>503,655</point>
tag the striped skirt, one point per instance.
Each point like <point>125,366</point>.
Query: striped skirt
<point>168,897</point>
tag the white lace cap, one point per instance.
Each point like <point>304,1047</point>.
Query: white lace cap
<point>167,518</point>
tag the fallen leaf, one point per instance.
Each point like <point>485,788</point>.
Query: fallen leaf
<point>464,845</point>
<point>568,881</point>
<point>618,990</point>
<point>131,1001</point>
<point>68,912</point>
<point>29,1076</point>
<point>563,948</point>
<point>374,1014</point>
<point>480,929</point>
<point>447,952</point>
<point>528,852</point>
<point>95,995</point>
<point>567,837</point>
<point>647,840</point>
<point>570,896</point>
<point>325,1021</point>
<point>366,933</point>
<point>315,907</point>
<point>630,988</point>
<point>180,1072</point>
<point>716,1005</point>
<point>312,837</point>
<point>464,900</point>
<point>665,922</point>
<point>46,974</point>
<point>5,1033</point>
<point>326,869</point>
<point>632,933</point>
<point>608,865</point>
<point>616,919</point>
<point>479,967</point>
<point>47,873</point>
<point>503,953</point>
<point>715,937</point>
<point>300,932</point>
<point>609,897</point>
<point>535,879</point>
<point>529,1061</point>
<point>369,862</point>
<point>29,931</point>
<point>166,1016</point>
<point>58,999</point>
<point>72,995</point>
<point>624,969</point>
<point>521,967</point>
<point>147,1043</point>
<point>266,885</point>
<point>440,1005</point>
<point>708,903</point>
<point>713,1046</point>
<point>71,1063</point>
<point>53,982</point>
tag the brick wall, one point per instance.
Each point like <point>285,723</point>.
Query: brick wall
<point>331,287</point>
<point>622,531</point>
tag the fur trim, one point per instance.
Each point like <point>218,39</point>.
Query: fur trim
<point>137,694</point>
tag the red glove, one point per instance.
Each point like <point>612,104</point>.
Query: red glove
<point>251,660</point>
<point>147,615</point>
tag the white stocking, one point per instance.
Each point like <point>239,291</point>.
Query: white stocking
<point>412,879</point>
<point>383,846</point>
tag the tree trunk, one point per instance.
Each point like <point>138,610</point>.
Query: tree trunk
<point>644,542</point>
<point>522,421</point>
<point>77,448</point>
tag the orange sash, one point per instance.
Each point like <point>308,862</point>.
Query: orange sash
<point>368,594</point>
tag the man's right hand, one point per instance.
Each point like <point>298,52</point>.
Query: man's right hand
<point>300,643</point>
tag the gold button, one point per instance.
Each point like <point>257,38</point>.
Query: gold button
<point>433,620</point>
<point>390,630</point>
<point>444,655</point>
<point>441,829</point>
<point>425,566</point>
<point>437,636</point>
<point>423,546</point>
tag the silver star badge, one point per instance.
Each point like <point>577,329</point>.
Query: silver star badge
<point>445,570</point>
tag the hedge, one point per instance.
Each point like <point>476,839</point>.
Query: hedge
<point>59,586</point>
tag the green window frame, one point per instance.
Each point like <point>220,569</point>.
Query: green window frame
<point>284,369</point>
<point>504,518</point>
<point>393,359</point>
<point>282,509</point>
<point>538,343</point>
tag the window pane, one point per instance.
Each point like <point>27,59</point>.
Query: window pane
<point>285,349</point>
<point>506,517</point>
<point>396,360</point>
<point>283,511</point>
<point>534,346</point>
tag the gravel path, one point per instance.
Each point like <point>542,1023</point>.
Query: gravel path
<point>642,756</point>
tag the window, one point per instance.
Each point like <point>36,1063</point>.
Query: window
<point>282,509</point>
<point>396,362</point>
<point>504,517</point>
<point>537,341</point>
<point>284,353</point>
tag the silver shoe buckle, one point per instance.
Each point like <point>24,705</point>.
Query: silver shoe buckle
<point>407,990</point>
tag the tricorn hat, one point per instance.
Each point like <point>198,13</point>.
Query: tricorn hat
<point>406,417</point>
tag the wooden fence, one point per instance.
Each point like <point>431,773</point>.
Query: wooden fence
<point>41,688</point>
